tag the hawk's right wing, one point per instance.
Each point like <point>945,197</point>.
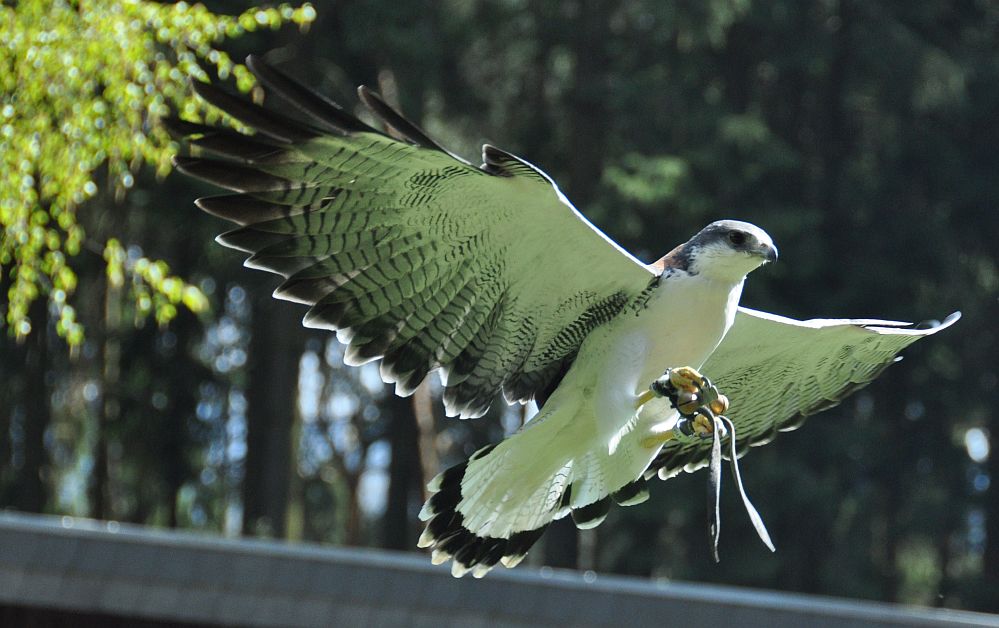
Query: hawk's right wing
<point>414,256</point>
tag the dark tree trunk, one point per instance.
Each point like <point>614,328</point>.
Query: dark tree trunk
<point>891,489</point>
<point>275,347</point>
<point>405,473</point>
<point>423,412</point>
<point>352,535</point>
<point>12,360</point>
<point>109,407</point>
<point>31,491</point>
<point>183,402</point>
<point>561,547</point>
<point>183,389</point>
<point>990,566</point>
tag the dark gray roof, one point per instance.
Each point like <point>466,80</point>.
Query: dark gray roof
<point>86,566</point>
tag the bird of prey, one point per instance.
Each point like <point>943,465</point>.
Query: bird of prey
<point>488,274</point>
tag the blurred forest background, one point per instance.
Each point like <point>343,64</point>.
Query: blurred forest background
<point>862,135</point>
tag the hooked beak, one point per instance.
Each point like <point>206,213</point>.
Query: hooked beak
<point>769,252</point>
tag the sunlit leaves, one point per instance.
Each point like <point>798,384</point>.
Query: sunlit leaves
<point>83,87</point>
<point>154,290</point>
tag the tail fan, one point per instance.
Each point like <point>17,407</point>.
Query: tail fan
<point>493,507</point>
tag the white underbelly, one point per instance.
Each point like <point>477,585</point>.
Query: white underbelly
<point>592,413</point>
<point>681,326</point>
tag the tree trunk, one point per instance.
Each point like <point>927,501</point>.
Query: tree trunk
<point>109,406</point>
<point>271,399</point>
<point>182,406</point>
<point>352,533</point>
<point>990,562</point>
<point>426,422</point>
<point>405,473</point>
<point>12,362</point>
<point>183,394</point>
<point>561,547</point>
<point>891,488</point>
<point>31,492</point>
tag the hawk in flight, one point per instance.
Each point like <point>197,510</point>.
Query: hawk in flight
<point>488,274</point>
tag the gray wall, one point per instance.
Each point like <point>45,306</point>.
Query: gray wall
<point>88,567</point>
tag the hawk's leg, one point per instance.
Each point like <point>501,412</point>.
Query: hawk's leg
<point>702,409</point>
<point>695,398</point>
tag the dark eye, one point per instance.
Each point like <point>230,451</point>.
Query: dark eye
<point>737,238</point>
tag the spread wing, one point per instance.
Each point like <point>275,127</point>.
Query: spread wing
<point>776,371</point>
<point>413,255</point>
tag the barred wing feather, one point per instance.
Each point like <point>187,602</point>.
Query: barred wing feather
<point>411,254</point>
<point>776,371</point>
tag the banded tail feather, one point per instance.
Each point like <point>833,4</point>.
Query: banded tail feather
<point>493,507</point>
<point>448,537</point>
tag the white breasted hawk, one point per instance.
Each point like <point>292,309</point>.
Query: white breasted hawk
<point>489,275</point>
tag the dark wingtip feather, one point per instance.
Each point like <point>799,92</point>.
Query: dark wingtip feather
<point>372,338</point>
<point>406,384</point>
<point>408,357</point>
<point>232,176</point>
<point>243,209</point>
<point>470,402</point>
<point>362,353</point>
<point>501,163</point>
<point>238,146</point>
<point>267,122</point>
<point>223,141</point>
<point>396,120</point>
<point>248,239</point>
<point>182,129</point>
<point>284,266</point>
<point>320,109</point>
<point>312,290</point>
<point>321,315</point>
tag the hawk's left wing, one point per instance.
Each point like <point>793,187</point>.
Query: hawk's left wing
<point>776,371</point>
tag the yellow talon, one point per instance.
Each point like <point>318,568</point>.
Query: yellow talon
<point>686,378</point>
<point>702,424</point>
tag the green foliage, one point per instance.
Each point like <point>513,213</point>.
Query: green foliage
<point>83,87</point>
<point>648,180</point>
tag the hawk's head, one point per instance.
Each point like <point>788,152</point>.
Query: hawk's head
<point>726,249</point>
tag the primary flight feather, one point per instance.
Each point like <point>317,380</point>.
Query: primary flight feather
<point>487,273</point>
